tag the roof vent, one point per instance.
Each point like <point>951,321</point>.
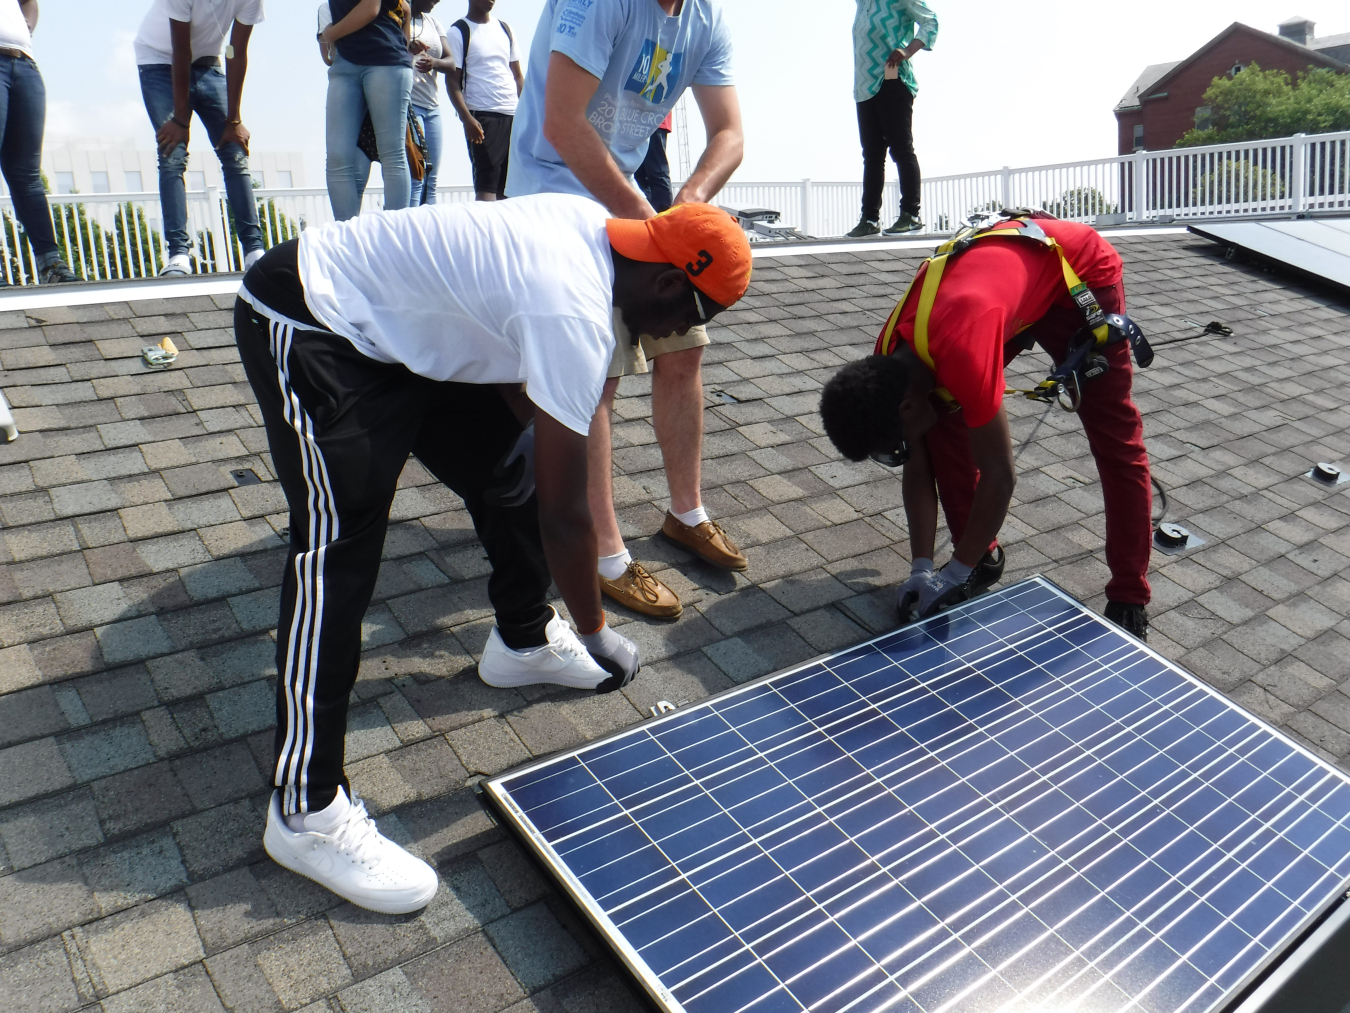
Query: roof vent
<point>1297,29</point>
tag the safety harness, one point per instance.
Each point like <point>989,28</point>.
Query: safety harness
<point>1083,361</point>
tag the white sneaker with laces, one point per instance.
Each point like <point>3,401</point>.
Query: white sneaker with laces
<point>176,266</point>
<point>563,661</point>
<point>351,857</point>
<point>252,258</point>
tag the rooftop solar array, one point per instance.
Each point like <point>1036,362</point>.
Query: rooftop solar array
<point>1015,806</point>
<point>1316,246</point>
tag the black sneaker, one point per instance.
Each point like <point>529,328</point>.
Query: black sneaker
<point>1130,618</point>
<point>988,571</point>
<point>56,273</point>
<point>905,223</point>
<point>863,228</point>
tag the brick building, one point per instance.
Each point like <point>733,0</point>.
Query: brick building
<point>1168,98</point>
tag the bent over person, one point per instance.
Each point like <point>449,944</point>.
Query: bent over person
<point>384,335</point>
<point>936,387</point>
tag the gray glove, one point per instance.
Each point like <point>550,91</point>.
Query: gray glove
<point>514,473</point>
<point>615,653</point>
<point>950,586</point>
<point>907,594</point>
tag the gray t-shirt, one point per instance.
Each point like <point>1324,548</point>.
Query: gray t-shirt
<point>424,91</point>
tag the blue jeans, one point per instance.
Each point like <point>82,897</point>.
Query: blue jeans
<point>424,190</point>
<point>23,115</point>
<point>352,89</point>
<point>210,101</point>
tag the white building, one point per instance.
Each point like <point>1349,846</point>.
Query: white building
<point>127,166</point>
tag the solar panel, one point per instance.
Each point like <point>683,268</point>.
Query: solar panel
<point>1014,806</point>
<point>1316,246</point>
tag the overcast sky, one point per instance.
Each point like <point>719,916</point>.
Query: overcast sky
<point>1006,84</point>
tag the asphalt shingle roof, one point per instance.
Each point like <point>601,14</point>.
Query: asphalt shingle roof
<point>139,587</point>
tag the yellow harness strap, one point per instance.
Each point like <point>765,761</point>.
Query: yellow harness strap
<point>937,264</point>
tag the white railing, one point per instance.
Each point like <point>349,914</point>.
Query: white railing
<point>114,236</point>
<point>1286,175</point>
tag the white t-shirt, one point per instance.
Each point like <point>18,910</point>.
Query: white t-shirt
<point>506,292</point>
<point>211,21</point>
<point>14,32</point>
<point>489,85</point>
<point>426,29</point>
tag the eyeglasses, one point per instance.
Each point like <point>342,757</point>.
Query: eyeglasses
<point>698,306</point>
<point>892,458</point>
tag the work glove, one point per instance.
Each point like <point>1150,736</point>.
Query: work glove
<point>615,653</point>
<point>907,594</point>
<point>949,586</point>
<point>514,473</point>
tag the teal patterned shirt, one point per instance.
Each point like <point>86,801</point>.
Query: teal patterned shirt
<point>879,28</point>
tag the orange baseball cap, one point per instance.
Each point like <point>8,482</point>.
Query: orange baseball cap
<point>705,241</point>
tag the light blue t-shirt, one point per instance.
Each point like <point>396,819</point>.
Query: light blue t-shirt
<point>644,59</point>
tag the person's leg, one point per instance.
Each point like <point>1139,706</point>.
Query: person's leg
<point>432,127</point>
<point>465,432</point>
<point>1115,434</point>
<point>157,92</point>
<point>873,141</point>
<point>345,112</point>
<point>677,417</point>
<point>339,470</point>
<point>489,157</point>
<point>210,101</point>
<point>363,164</point>
<point>507,122</point>
<point>897,122</point>
<point>415,186</point>
<point>600,474</point>
<point>21,127</point>
<point>653,175</point>
<point>387,90</point>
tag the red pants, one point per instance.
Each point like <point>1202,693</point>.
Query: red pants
<point>1115,433</point>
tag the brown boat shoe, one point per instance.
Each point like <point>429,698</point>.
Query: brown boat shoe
<point>642,592</point>
<point>707,541</point>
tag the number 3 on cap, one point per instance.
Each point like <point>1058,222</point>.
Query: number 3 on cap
<point>705,259</point>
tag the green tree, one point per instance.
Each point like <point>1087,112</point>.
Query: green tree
<point>1256,104</point>
<point>1080,202</point>
<point>139,247</point>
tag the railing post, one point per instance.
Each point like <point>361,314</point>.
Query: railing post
<point>1005,187</point>
<point>805,219</point>
<point>1298,174</point>
<point>219,232</point>
<point>1140,164</point>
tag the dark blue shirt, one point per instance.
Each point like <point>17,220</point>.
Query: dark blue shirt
<point>380,43</point>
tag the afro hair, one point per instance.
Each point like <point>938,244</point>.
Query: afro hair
<point>860,405</point>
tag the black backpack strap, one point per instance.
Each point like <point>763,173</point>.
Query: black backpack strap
<point>465,33</point>
<point>510,39</point>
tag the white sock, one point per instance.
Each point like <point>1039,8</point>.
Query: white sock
<point>693,517</point>
<point>612,567</point>
<point>323,821</point>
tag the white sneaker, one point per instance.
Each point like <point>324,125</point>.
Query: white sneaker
<point>252,258</point>
<point>350,857</point>
<point>176,266</point>
<point>563,661</point>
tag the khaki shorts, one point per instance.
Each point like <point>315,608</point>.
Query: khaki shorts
<point>630,358</point>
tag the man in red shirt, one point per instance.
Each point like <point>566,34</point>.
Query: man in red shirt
<point>993,300</point>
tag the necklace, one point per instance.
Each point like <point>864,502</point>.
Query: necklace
<point>222,30</point>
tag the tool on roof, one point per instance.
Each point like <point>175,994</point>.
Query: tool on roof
<point>1064,385</point>
<point>160,356</point>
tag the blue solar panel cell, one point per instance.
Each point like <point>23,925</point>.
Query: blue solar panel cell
<point>1013,806</point>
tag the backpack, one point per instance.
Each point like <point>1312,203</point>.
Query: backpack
<point>465,32</point>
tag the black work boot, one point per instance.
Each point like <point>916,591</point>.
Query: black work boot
<point>988,571</point>
<point>1129,617</point>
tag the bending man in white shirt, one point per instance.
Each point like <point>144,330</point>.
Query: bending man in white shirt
<point>369,339</point>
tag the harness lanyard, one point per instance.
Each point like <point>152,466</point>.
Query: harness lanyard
<point>1081,295</point>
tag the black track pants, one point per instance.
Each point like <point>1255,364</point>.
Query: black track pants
<point>886,121</point>
<point>340,427</point>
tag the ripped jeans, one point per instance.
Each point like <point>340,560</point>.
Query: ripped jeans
<point>210,102</point>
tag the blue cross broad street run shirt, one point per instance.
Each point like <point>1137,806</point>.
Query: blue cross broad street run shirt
<point>644,59</point>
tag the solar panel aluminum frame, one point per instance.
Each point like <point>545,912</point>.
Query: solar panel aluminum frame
<point>1237,1000</point>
